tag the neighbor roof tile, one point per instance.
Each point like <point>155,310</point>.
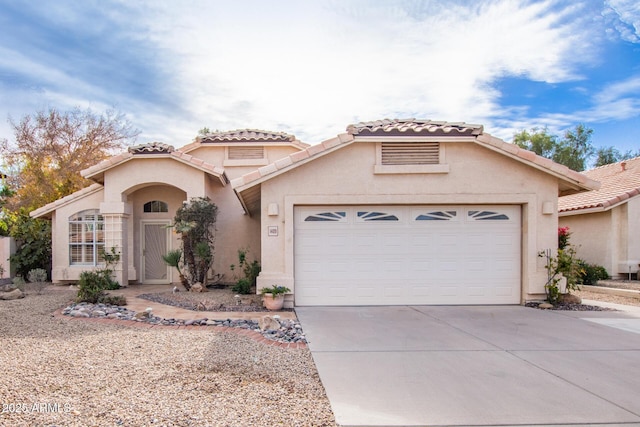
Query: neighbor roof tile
<point>620,181</point>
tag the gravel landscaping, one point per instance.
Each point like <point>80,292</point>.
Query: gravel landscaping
<point>60,371</point>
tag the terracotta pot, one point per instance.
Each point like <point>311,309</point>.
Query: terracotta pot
<point>273,303</point>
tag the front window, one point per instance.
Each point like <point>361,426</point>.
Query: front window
<point>86,238</point>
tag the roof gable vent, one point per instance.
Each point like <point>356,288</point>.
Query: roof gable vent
<point>410,153</point>
<point>245,153</point>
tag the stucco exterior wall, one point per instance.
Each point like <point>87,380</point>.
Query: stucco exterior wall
<point>476,176</point>
<point>610,238</point>
<point>592,235</point>
<point>61,270</point>
<point>216,155</point>
<point>234,230</point>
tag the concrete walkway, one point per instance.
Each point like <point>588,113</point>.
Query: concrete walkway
<point>486,365</point>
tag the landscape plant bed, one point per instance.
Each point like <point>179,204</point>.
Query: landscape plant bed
<point>633,285</point>
<point>571,307</point>
<point>221,299</point>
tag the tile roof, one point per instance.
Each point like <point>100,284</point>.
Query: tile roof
<point>570,180</point>
<point>45,210</point>
<point>247,135</point>
<point>620,182</point>
<point>410,127</point>
<point>151,147</point>
<point>155,150</point>
<point>244,136</point>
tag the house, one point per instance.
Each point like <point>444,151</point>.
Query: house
<point>605,223</point>
<point>390,212</point>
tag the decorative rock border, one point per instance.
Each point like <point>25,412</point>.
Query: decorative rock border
<point>288,335</point>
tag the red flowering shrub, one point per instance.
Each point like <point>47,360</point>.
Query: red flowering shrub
<point>563,237</point>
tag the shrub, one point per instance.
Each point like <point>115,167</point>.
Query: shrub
<point>242,286</point>
<point>91,286</point>
<point>591,273</point>
<point>38,279</point>
<point>37,275</point>
<point>251,270</point>
<point>19,282</point>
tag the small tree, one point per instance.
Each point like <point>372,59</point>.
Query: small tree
<point>50,149</point>
<point>195,221</point>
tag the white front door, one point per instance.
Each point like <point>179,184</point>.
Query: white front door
<point>386,255</point>
<point>155,244</point>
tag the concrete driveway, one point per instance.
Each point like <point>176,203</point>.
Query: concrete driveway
<point>486,365</point>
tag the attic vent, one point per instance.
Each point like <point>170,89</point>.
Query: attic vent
<point>246,153</point>
<point>410,153</point>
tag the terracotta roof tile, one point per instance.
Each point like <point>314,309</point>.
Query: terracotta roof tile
<point>247,135</point>
<point>413,126</point>
<point>151,147</point>
<point>620,181</point>
<point>244,135</point>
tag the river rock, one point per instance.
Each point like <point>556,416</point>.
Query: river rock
<point>268,323</point>
<point>197,287</point>
<point>8,287</point>
<point>14,294</point>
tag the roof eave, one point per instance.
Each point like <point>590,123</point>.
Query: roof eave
<point>285,164</point>
<point>572,185</point>
<point>48,209</point>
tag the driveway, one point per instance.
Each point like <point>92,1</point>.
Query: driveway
<point>481,365</point>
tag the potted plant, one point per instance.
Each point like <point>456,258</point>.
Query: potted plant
<point>273,297</point>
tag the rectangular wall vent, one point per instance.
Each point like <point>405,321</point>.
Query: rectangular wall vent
<point>410,153</point>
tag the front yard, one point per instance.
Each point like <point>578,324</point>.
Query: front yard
<point>76,372</point>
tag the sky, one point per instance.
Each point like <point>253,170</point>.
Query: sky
<point>310,68</point>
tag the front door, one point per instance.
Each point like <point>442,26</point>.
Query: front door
<point>155,244</point>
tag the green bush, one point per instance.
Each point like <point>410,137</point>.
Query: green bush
<point>250,270</point>
<point>242,286</point>
<point>591,273</point>
<point>90,287</point>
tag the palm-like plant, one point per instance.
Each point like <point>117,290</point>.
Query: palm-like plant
<point>174,258</point>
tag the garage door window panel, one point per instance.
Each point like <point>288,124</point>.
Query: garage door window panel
<point>376,216</point>
<point>340,216</point>
<point>487,216</point>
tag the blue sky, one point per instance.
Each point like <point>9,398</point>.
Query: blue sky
<point>311,68</point>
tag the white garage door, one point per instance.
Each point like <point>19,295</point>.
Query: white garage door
<point>394,255</point>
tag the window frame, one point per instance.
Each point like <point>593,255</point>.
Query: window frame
<point>92,238</point>
<point>155,203</point>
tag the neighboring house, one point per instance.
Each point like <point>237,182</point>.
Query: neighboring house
<point>605,223</point>
<point>391,212</point>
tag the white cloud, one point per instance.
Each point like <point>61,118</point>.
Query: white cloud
<point>318,66</point>
<point>311,68</point>
<point>625,15</point>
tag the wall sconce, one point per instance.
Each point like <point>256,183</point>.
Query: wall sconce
<point>547,208</point>
<point>272,209</point>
